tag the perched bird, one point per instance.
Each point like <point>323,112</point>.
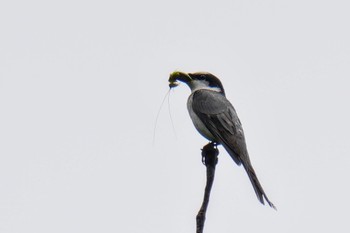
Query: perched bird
<point>216,119</point>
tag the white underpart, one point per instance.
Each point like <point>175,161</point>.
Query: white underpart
<point>196,85</point>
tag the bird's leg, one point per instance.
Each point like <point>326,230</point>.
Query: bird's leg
<point>209,158</point>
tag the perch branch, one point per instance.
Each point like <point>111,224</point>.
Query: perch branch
<point>209,158</point>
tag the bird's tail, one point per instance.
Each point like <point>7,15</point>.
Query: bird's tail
<point>256,185</point>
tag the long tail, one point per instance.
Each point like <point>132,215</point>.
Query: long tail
<point>256,185</point>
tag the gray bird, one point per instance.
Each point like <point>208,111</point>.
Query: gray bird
<point>216,119</point>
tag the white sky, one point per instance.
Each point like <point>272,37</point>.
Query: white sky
<point>80,86</point>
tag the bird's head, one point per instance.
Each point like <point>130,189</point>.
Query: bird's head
<point>196,81</point>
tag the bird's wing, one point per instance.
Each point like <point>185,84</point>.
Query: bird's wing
<point>220,118</point>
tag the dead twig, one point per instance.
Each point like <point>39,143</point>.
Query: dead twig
<point>209,158</point>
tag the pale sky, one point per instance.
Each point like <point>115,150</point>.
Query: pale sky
<point>80,86</point>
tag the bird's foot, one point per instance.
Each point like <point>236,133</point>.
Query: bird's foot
<point>210,154</point>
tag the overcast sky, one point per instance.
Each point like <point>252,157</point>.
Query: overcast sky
<point>80,86</point>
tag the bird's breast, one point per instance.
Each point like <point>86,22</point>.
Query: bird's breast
<point>200,126</point>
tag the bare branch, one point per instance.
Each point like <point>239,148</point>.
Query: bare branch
<point>209,158</point>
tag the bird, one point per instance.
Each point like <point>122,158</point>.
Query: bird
<point>216,119</point>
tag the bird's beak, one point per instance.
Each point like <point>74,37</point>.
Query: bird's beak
<point>178,76</point>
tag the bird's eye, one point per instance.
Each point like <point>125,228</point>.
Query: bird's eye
<point>202,77</point>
